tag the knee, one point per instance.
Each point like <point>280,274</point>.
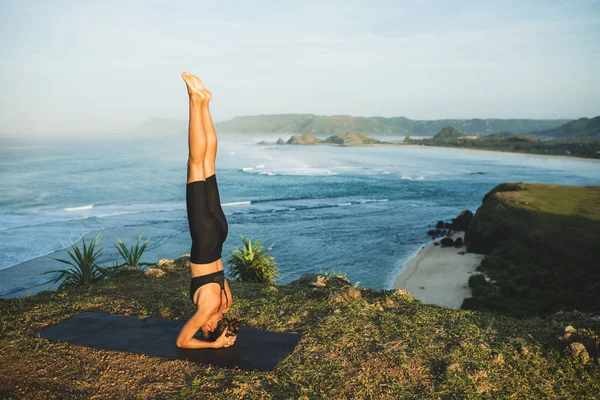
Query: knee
<point>195,162</point>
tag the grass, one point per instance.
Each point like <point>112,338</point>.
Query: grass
<point>384,345</point>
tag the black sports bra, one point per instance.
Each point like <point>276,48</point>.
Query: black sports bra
<point>201,280</point>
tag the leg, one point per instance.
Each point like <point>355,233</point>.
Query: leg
<point>214,200</point>
<point>196,135</point>
<point>211,138</point>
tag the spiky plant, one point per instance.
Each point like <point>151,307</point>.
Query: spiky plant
<point>132,255</point>
<point>252,263</point>
<point>84,269</point>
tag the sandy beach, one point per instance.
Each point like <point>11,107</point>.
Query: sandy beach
<point>439,275</point>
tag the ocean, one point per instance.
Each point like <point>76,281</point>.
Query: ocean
<point>361,211</point>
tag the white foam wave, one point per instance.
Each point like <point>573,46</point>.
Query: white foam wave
<point>344,204</point>
<point>247,169</point>
<point>236,203</point>
<point>82,208</point>
<point>363,201</point>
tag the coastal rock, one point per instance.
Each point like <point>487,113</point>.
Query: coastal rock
<point>440,225</point>
<point>166,265</point>
<point>304,139</point>
<point>461,223</point>
<point>578,351</point>
<point>155,272</point>
<point>280,141</point>
<point>447,242</point>
<point>458,242</point>
<point>263,142</point>
<point>351,139</point>
<point>127,268</point>
<point>183,262</point>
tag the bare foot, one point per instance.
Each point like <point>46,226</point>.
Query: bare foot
<point>195,86</point>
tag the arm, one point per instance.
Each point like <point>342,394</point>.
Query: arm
<point>186,339</point>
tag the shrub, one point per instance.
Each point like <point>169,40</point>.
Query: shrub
<point>84,269</point>
<point>132,256</point>
<point>252,263</point>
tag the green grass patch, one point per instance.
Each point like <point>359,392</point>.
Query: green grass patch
<point>383,345</point>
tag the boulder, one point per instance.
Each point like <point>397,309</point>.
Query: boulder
<point>166,264</point>
<point>458,242</point>
<point>263,142</point>
<point>127,268</point>
<point>461,223</point>
<point>280,141</point>
<point>440,225</point>
<point>155,272</point>
<point>447,242</point>
<point>577,351</point>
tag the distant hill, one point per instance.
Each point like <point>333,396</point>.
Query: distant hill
<point>449,132</point>
<point>327,125</point>
<point>580,128</point>
<point>501,135</point>
<point>340,124</point>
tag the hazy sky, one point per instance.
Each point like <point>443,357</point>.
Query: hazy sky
<point>84,67</point>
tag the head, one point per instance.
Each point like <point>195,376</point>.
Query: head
<point>211,323</point>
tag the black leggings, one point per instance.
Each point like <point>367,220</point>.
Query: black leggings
<point>207,222</point>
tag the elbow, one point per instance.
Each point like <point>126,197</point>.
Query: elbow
<point>181,342</point>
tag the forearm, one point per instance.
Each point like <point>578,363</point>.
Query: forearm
<point>194,343</point>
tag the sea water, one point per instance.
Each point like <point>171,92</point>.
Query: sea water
<point>361,211</point>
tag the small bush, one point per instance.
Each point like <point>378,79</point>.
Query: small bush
<point>132,256</point>
<point>84,269</point>
<point>252,263</point>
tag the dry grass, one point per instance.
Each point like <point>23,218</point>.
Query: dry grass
<point>381,345</point>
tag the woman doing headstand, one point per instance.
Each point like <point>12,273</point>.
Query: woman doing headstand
<point>209,290</point>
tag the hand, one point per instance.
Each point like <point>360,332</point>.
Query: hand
<point>224,341</point>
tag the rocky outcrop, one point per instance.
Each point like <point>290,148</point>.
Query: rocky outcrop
<point>461,223</point>
<point>280,141</point>
<point>304,139</point>
<point>447,242</point>
<point>351,139</point>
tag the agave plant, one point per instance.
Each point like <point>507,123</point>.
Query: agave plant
<point>84,269</point>
<point>252,263</point>
<point>132,255</point>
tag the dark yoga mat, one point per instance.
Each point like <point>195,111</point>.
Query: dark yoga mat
<point>253,349</point>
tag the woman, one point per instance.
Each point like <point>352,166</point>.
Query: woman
<point>209,290</point>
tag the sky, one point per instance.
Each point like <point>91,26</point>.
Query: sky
<point>88,67</point>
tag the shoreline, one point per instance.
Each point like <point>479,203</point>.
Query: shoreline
<point>400,144</point>
<point>439,275</point>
